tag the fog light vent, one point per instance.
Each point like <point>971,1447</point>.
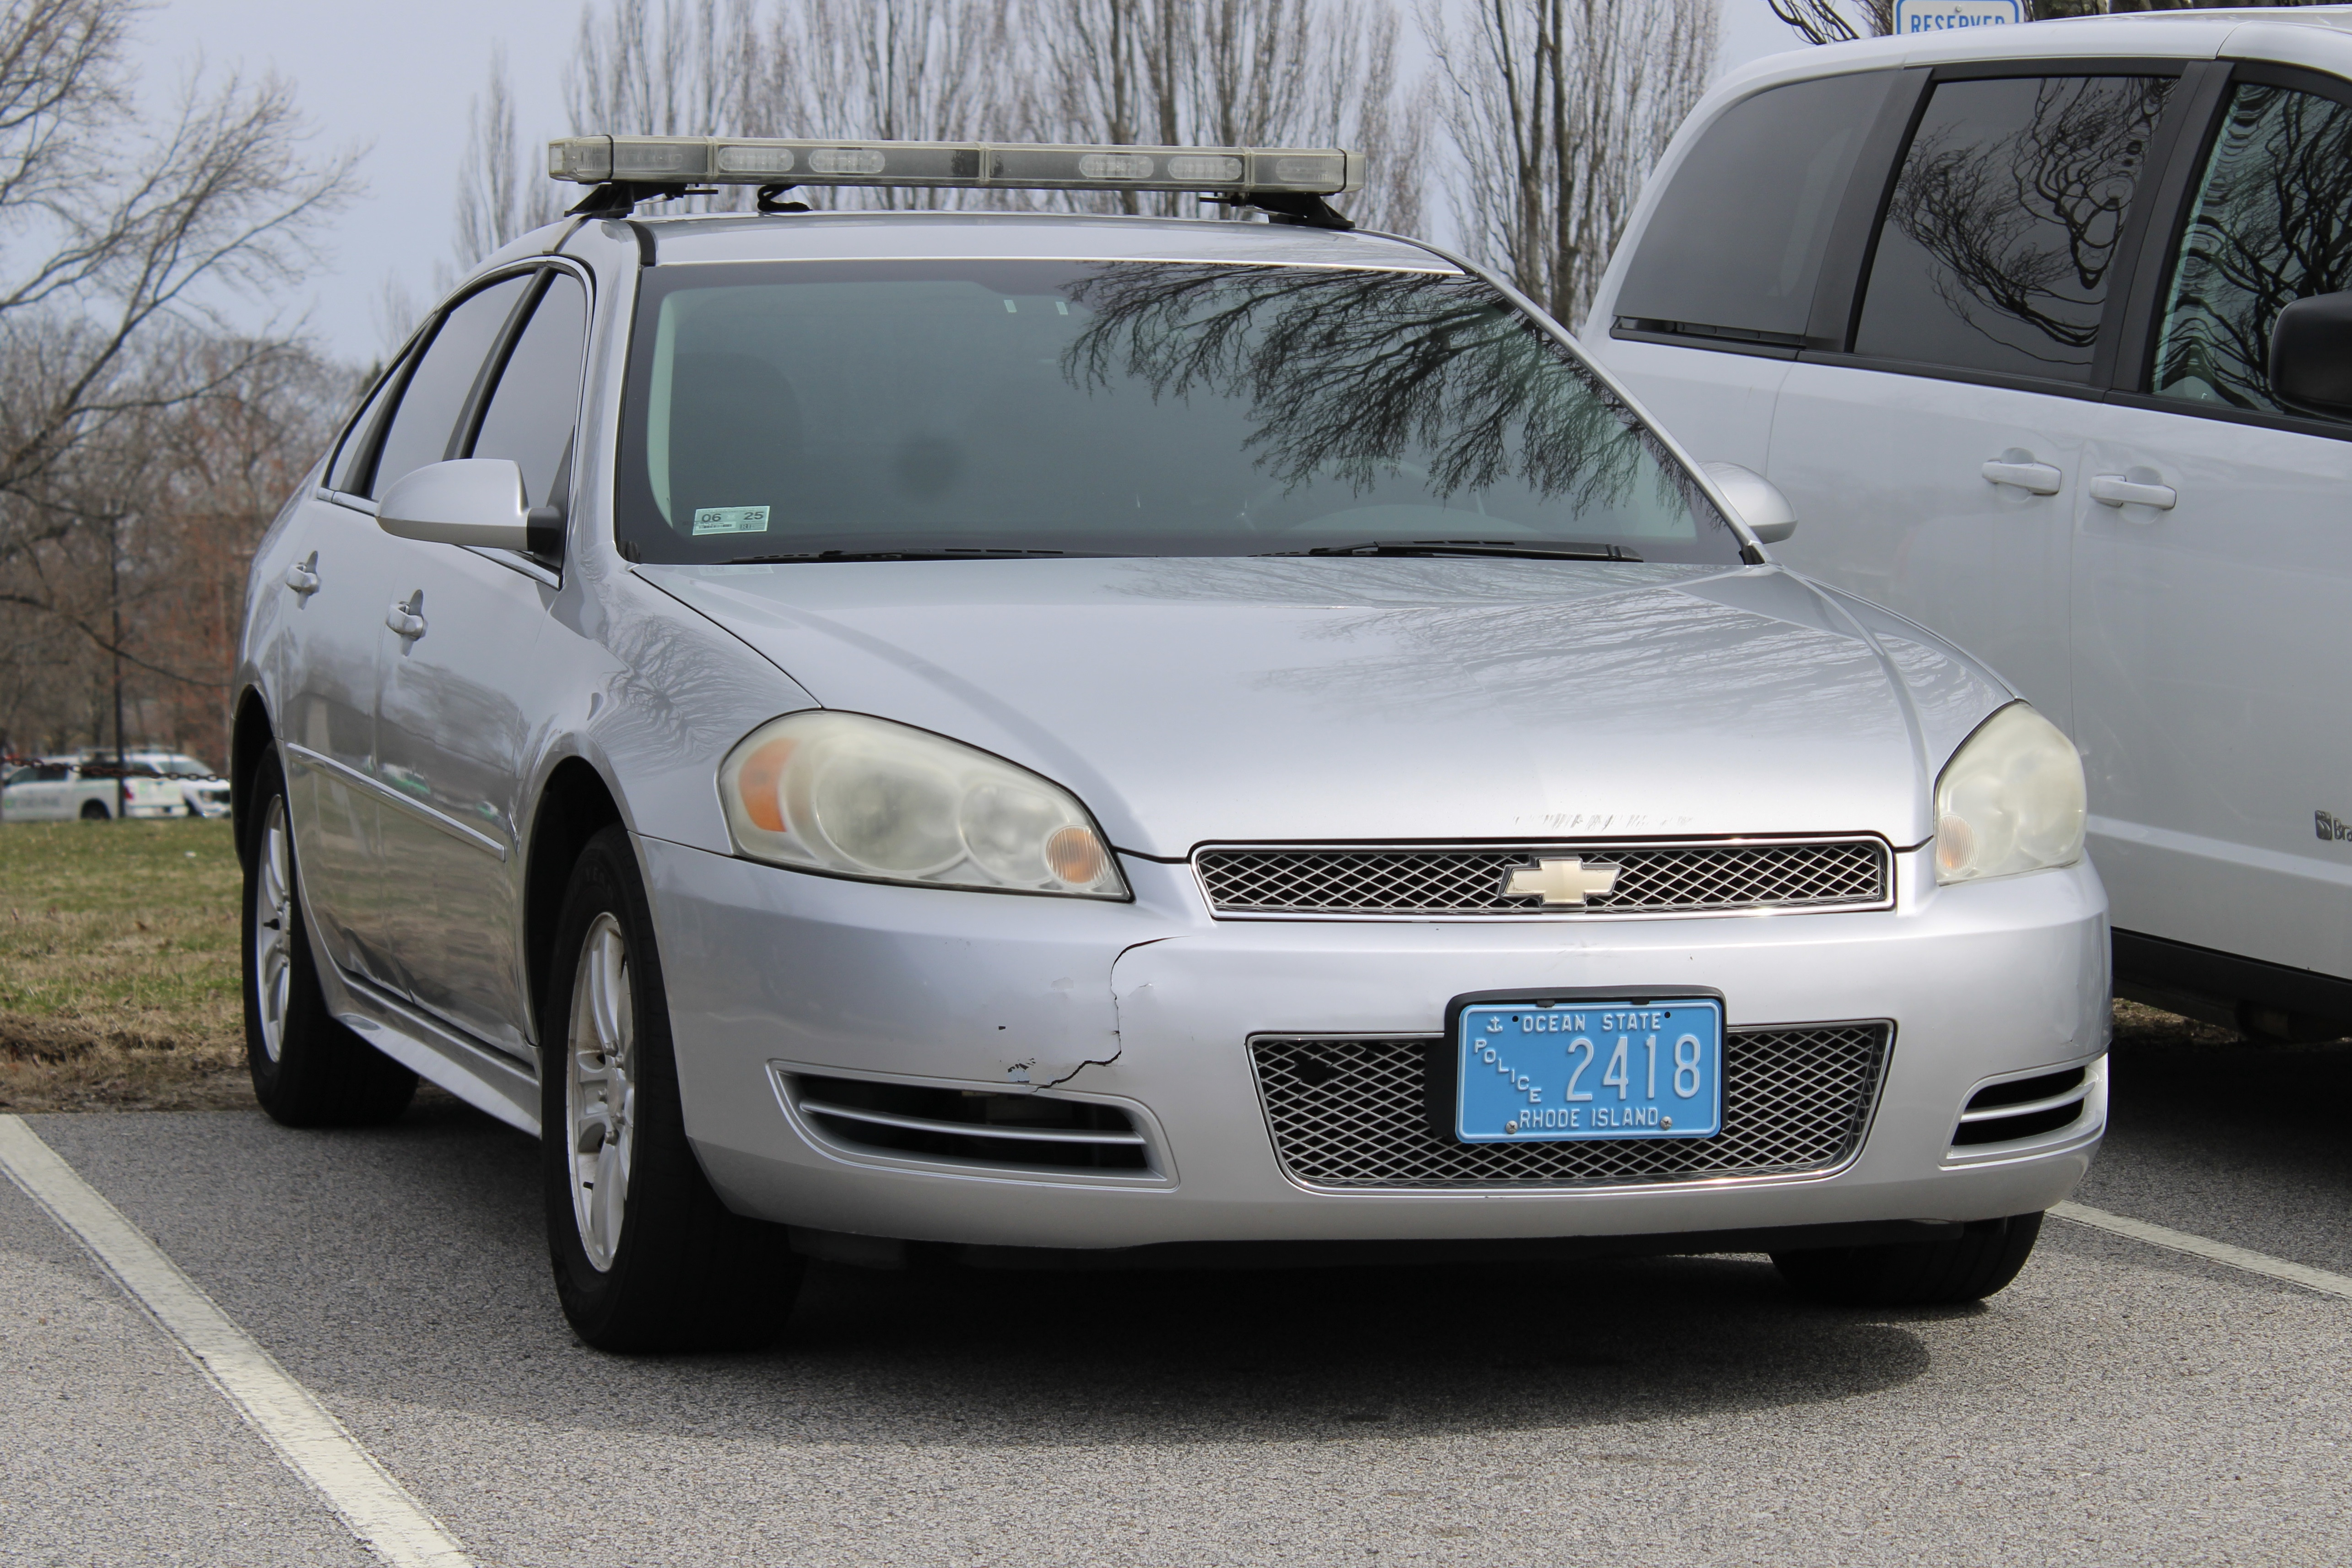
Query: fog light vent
<point>971,1126</point>
<point>2023,1107</point>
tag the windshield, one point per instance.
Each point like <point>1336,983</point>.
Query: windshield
<point>780,409</point>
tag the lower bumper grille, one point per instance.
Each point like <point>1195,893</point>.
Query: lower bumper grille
<point>2023,1107</point>
<point>1354,1113</point>
<point>970,1126</point>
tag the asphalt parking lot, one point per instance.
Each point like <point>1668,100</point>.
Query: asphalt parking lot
<point>2120,1403</point>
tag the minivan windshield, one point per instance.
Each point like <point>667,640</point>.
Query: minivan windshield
<point>796,410</point>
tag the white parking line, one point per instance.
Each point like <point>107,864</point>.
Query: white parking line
<point>2310,1279</point>
<point>306,1434</point>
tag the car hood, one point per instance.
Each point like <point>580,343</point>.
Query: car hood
<point>1191,700</point>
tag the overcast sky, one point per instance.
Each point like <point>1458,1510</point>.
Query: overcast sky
<point>397,80</point>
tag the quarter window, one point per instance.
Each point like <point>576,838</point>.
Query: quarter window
<point>1997,249</point>
<point>530,416</point>
<point>1736,243</point>
<point>2271,224</point>
<point>351,463</point>
<point>438,387</point>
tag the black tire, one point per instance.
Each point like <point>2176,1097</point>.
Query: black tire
<point>682,1273</point>
<point>308,1069</point>
<point>95,811</point>
<point>1980,1262</point>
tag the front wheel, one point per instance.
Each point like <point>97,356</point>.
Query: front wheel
<point>1977,1263</point>
<point>309,1068</point>
<point>645,1256</point>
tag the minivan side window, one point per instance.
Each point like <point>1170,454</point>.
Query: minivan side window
<point>530,416</point>
<point>1771,172</point>
<point>1996,246</point>
<point>2270,223</point>
<point>444,378</point>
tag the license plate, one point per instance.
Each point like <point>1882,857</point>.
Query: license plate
<point>1569,1071</point>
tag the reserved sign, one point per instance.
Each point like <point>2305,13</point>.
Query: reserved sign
<point>1944,15</point>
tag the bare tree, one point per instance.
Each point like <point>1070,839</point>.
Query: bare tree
<point>670,68</point>
<point>125,235</point>
<point>1230,73</point>
<point>1836,21</point>
<point>502,191</point>
<point>1558,109</point>
<point>133,231</point>
<point>910,70</point>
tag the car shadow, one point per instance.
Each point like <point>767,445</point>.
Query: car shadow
<point>408,1263</point>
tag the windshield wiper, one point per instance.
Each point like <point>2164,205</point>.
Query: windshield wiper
<point>1565,552</point>
<point>882,555</point>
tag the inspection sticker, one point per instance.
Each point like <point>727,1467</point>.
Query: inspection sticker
<point>730,520</point>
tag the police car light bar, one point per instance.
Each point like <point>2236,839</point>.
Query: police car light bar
<point>1238,173</point>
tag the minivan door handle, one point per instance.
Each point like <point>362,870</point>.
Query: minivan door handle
<point>403,620</point>
<point>2017,466</point>
<point>2137,487</point>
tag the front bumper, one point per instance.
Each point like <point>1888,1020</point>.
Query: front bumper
<point>1150,1007</point>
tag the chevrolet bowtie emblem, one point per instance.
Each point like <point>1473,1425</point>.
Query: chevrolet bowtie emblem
<point>1566,882</point>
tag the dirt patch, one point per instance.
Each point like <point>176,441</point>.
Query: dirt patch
<point>2137,1024</point>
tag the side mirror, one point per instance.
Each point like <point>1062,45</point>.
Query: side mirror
<point>475,502</point>
<point>1758,501</point>
<point>2311,355</point>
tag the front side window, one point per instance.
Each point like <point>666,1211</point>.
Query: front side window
<point>528,418</point>
<point>438,389</point>
<point>1131,408</point>
<point>2271,224</point>
<point>1997,249</point>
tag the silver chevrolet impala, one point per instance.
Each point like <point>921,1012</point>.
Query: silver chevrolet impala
<point>1048,740</point>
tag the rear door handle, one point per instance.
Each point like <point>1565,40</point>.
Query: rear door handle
<point>405,620</point>
<point>303,577</point>
<point>2016,466</point>
<point>2137,489</point>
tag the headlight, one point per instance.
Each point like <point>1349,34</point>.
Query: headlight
<point>866,798</point>
<point>2010,800</point>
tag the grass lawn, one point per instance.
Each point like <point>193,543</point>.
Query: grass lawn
<point>119,970</point>
<point>119,967</point>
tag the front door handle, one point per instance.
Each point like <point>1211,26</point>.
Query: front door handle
<point>2137,487</point>
<point>2017,466</point>
<point>303,577</point>
<point>407,621</point>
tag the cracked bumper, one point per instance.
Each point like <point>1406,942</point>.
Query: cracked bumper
<point>1151,1005</point>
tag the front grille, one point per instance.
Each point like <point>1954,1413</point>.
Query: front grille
<point>1802,873</point>
<point>1355,1113</point>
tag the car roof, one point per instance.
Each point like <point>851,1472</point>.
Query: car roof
<point>972,235</point>
<point>2265,32</point>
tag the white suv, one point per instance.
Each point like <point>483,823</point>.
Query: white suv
<point>2042,331</point>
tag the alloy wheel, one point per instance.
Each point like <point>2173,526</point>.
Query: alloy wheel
<point>273,913</point>
<point>601,1091</point>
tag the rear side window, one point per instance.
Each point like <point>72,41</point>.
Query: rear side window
<point>1996,246</point>
<point>530,416</point>
<point>1735,246</point>
<point>438,387</point>
<point>2272,224</point>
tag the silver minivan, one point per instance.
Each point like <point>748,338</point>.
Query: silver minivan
<point>2043,331</point>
